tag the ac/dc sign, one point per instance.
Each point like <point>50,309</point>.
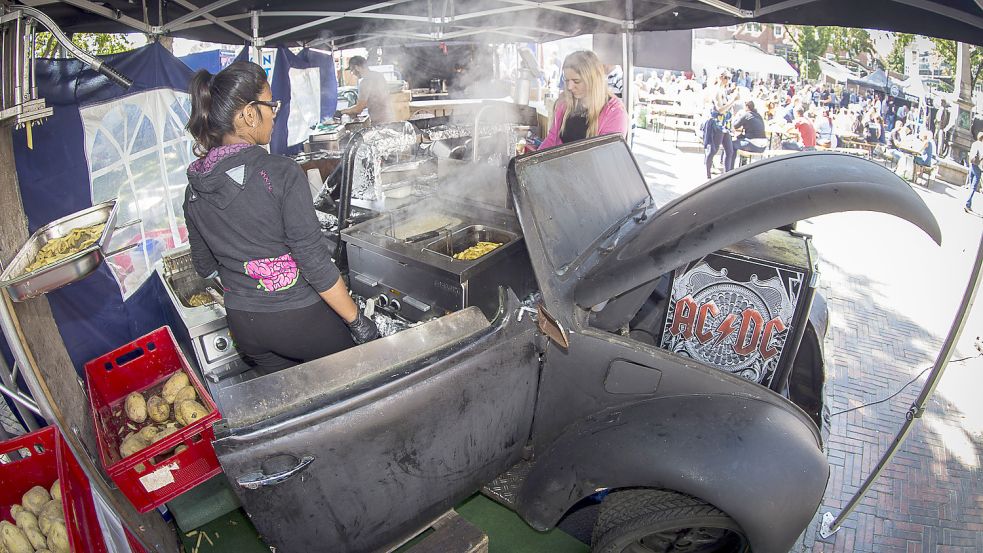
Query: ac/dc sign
<point>693,320</point>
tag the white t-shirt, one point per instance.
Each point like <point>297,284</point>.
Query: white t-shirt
<point>373,89</point>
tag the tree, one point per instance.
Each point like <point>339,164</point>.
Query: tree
<point>946,49</point>
<point>852,42</point>
<point>95,43</point>
<point>812,43</point>
<point>895,60</point>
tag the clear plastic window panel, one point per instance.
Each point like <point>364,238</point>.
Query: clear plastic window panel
<point>138,152</point>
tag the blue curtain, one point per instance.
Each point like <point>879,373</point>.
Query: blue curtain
<point>54,181</point>
<point>306,58</point>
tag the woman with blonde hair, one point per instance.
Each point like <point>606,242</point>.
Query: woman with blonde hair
<point>586,107</point>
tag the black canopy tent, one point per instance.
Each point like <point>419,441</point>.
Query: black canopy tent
<point>878,80</point>
<point>346,22</point>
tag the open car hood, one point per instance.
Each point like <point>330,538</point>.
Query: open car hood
<point>594,233</point>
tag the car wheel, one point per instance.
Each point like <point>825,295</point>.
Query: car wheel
<point>660,521</point>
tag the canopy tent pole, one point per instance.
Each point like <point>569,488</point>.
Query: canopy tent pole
<point>43,361</point>
<point>830,525</point>
<point>257,41</point>
<point>628,54</point>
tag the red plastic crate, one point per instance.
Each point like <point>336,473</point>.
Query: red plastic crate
<point>49,459</point>
<point>149,478</point>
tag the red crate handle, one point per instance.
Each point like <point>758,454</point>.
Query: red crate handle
<point>33,443</point>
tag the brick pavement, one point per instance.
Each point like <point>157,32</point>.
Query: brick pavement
<point>927,500</point>
<point>930,498</point>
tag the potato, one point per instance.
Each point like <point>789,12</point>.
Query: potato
<point>158,409</point>
<point>35,498</point>
<point>15,539</point>
<point>189,411</point>
<point>52,509</point>
<point>173,386</point>
<point>50,515</point>
<point>14,509</point>
<point>35,536</point>
<point>164,431</point>
<point>148,433</point>
<point>179,449</point>
<point>56,490</point>
<point>58,538</point>
<point>25,519</point>
<point>136,407</point>
<point>132,444</point>
<point>188,392</point>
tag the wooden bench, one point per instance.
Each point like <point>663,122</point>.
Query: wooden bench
<point>745,157</point>
<point>859,152</point>
<point>928,171</point>
<point>677,124</point>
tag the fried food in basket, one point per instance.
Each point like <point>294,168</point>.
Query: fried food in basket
<point>476,251</point>
<point>199,299</point>
<point>60,248</point>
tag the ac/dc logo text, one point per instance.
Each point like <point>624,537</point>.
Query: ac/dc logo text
<point>690,320</point>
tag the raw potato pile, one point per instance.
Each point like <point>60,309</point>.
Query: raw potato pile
<point>59,248</point>
<point>476,251</point>
<point>176,406</point>
<point>40,523</point>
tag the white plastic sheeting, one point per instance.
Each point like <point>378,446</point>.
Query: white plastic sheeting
<point>138,151</point>
<point>738,55</point>
<point>305,104</point>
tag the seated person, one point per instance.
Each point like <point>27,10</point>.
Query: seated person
<point>928,148</point>
<point>896,139</point>
<point>807,133</point>
<point>824,131</point>
<point>752,128</point>
<point>872,130</point>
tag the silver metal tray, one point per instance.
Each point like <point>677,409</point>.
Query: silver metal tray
<point>22,286</point>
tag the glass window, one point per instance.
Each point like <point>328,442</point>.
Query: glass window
<point>138,152</point>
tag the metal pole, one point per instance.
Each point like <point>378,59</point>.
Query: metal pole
<point>21,357</point>
<point>628,54</point>
<point>257,42</point>
<point>829,524</point>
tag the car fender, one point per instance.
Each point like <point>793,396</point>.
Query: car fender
<point>755,460</point>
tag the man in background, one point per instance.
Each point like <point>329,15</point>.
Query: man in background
<point>373,93</point>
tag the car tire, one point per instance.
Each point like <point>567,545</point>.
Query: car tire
<point>661,521</point>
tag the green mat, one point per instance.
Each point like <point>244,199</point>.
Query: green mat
<point>230,533</point>
<point>507,533</point>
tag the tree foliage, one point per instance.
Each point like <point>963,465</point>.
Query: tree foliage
<point>895,60</point>
<point>95,43</point>
<point>946,49</point>
<point>851,41</point>
<point>812,43</point>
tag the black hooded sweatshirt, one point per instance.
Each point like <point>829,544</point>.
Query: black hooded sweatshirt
<point>251,218</point>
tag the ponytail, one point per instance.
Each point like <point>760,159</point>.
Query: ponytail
<point>215,100</point>
<point>201,104</point>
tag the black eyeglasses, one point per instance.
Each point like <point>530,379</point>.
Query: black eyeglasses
<point>272,104</point>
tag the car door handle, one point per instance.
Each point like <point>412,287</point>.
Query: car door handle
<point>255,480</point>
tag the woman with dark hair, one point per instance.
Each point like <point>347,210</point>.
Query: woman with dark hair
<point>251,222</point>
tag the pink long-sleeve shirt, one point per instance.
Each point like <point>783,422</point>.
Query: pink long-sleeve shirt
<point>612,119</point>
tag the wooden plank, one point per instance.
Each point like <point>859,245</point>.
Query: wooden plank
<point>453,534</point>
<point>58,390</point>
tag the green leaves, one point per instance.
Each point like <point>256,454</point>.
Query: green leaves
<point>96,43</point>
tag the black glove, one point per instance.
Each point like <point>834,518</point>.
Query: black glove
<point>363,329</point>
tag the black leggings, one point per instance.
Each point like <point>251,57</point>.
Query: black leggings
<point>282,339</point>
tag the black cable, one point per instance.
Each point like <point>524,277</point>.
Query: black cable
<point>892,396</point>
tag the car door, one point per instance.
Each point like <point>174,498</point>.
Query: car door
<point>360,450</point>
<point>598,242</point>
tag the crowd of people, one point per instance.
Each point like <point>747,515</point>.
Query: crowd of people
<point>741,113</point>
